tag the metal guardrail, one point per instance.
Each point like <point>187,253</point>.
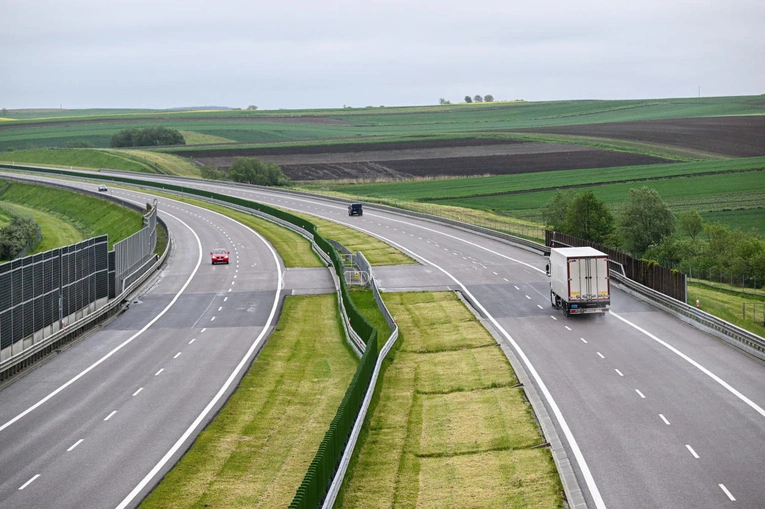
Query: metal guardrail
<point>732,334</point>
<point>337,481</point>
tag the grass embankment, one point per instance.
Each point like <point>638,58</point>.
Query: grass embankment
<point>68,217</point>
<point>257,450</point>
<point>295,250</point>
<point>140,161</point>
<point>449,427</point>
<point>726,302</point>
<point>376,251</point>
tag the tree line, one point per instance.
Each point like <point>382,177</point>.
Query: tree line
<point>646,228</point>
<point>146,137</point>
<point>249,170</point>
<point>17,235</point>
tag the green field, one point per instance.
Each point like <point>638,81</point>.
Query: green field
<point>357,123</point>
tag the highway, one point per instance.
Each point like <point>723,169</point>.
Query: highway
<point>652,412</point>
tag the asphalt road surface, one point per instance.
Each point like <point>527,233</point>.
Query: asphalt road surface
<point>652,412</point>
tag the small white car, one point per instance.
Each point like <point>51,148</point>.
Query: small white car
<point>102,189</point>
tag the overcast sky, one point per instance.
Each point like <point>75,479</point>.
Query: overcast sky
<point>324,54</point>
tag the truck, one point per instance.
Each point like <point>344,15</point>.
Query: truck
<point>579,280</point>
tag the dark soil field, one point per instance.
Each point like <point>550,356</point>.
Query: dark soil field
<point>726,136</point>
<point>722,136</point>
<point>464,157</point>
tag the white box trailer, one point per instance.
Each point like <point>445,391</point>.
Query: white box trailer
<point>579,280</point>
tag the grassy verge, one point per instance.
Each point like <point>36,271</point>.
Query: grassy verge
<point>376,251</point>
<point>88,216</point>
<point>726,302</point>
<point>257,450</point>
<point>55,232</point>
<point>449,427</point>
<point>295,250</point>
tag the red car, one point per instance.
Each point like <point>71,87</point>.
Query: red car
<point>219,255</point>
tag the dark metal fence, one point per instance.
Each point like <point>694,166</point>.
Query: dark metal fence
<point>670,282</point>
<point>48,289</point>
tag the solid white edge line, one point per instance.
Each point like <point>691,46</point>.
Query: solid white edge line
<point>701,368</point>
<point>208,409</point>
<point>573,444</point>
<point>120,346</point>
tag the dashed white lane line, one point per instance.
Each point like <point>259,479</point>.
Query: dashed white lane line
<point>177,355</point>
<point>221,307</point>
<point>728,493</point>
<point>38,475</point>
<point>78,442</point>
<point>506,280</point>
<point>516,287</point>
<point>690,449</point>
<point>600,355</point>
<point>494,273</point>
<point>619,372</point>
<point>110,415</point>
<point>640,393</point>
<point>160,371</point>
<point>567,327</point>
<point>664,419</point>
<point>551,316</point>
<point>528,297</point>
<point>138,391</point>
<point>539,306</point>
<point>192,340</point>
<point>212,319</point>
<point>225,299</point>
<point>583,340</point>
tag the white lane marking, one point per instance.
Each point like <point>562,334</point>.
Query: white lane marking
<point>664,419</point>
<point>494,273</point>
<point>225,299</point>
<point>506,280</point>
<point>220,308</point>
<point>212,319</point>
<point>528,297</point>
<point>110,415</point>
<point>567,327</point>
<point>573,444</point>
<point>725,490</point>
<point>539,306</point>
<point>640,393</point>
<point>516,287</point>
<point>38,475</point>
<point>203,329</point>
<point>701,368</point>
<point>551,316</point>
<point>619,372</point>
<point>78,442</point>
<point>138,391</point>
<point>123,344</point>
<point>244,362</point>
<point>690,449</point>
<point>192,340</point>
<point>583,340</point>
<point>160,371</point>
<point>177,355</point>
<point>600,355</point>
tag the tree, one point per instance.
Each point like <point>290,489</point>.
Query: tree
<point>488,98</point>
<point>18,234</point>
<point>149,136</point>
<point>250,170</point>
<point>468,99</point>
<point>645,220</point>
<point>252,107</point>
<point>691,223</point>
<point>588,218</point>
<point>443,101</point>
<point>554,213</point>
<point>478,99</point>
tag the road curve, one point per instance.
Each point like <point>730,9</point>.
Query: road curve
<point>98,425</point>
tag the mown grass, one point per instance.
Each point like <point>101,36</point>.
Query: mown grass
<point>258,448</point>
<point>88,216</point>
<point>80,158</point>
<point>725,302</point>
<point>376,251</point>
<point>449,426</point>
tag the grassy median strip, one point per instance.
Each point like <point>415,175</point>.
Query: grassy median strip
<point>257,450</point>
<point>449,426</point>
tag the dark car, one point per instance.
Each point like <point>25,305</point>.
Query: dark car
<point>219,255</point>
<point>354,209</point>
